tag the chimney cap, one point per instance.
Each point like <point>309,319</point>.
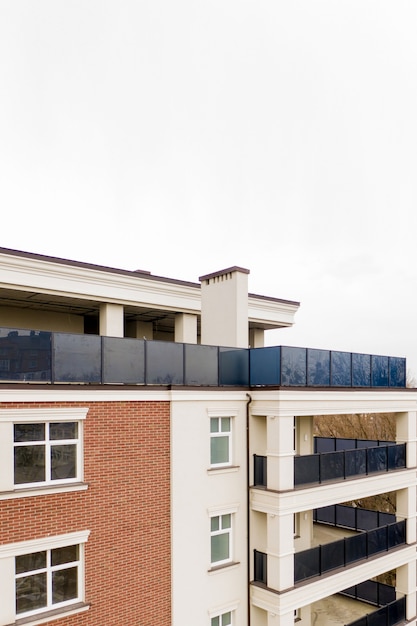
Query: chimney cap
<point>229,270</point>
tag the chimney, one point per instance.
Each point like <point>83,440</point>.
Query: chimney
<point>224,308</point>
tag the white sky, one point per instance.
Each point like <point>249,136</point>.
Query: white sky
<point>182,137</point>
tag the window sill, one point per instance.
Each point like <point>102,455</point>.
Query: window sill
<point>42,491</point>
<point>220,568</point>
<point>48,616</point>
<point>225,469</point>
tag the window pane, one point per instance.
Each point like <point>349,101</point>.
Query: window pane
<point>226,619</point>
<point>215,523</point>
<point>68,554</point>
<point>66,430</point>
<point>226,521</point>
<point>64,585</point>
<point>219,450</point>
<point>225,424</point>
<point>29,464</point>
<point>29,432</point>
<point>214,425</point>
<point>215,621</point>
<point>30,593</point>
<point>63,462</point>
<point>220,547</point>
<point>30,562</point>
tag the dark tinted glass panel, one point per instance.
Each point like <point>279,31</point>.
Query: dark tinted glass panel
<point>332,555</point>
<point>30,562</point>
<point>362,621</point>
<point>346,516</point>
<point>67,554</point>
<point>259,470</point>
<point>64,585</point>
<point>64,430</point>
<point>340,369</point>
<point>386,518</point>
<point>77,358</point>
<point>29,432</point>
<point>123,361</point>
<point>326,514</point>
<point>368,591</point>
<point>25,355</point>
<point>355,462</point>
<point>361,370</point>
<point>306,469</point>
<point>164,363</point>
<point>63,462</point>
<point>265,366</point>
<point>377,540</point>
<point>29,464</point>
<point>345,444</point>
<point>30,593</point>
<point>379,367</point>
<point>386,593</point>
<point>332,466</point>
<point>397,372</point>
<point>201,365</point>
<point>355,548</point>
<point>293,367</point>
<point>234,366</point>
<point>366,443</point>
<point>377,459</point>
<point>260,563</point>
<point>396,456</point>
<point>324,444</point>
<point>396,611</point>
<point>396,534</point>
<point>306,564</point>
<point>318,368</point>
<point>378,618</point>
<point>366,520</point>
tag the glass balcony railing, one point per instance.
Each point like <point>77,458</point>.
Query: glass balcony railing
<point>40,356</point>
<point>391,611</point>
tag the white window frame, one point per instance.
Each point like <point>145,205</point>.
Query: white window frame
<point>222,531</point>
<point>219,414</point>
<point>221,615</point>
<point>8,554</point>
<point>10,417</point>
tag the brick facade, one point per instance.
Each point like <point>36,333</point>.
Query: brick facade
<point>126,507</point>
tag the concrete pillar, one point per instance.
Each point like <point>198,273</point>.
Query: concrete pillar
<point>407,433</point>
<point>406,509</point>
<point>185,328</point>
<point>280,550</point>
<point>143,330</point>
<point>280,452</point>
<point>406,585</point>
<point>256,337</point>
<point>111,320</point>
<point>224,308</point>
<point>286,619</point>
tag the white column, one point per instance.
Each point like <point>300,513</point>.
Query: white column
<point>281,620</point>
<point>111,320</point>
<point>407,433</point>
<point>280,452</point>
<point>280,551</point>
<point>256,337</point>
<point>406,585</point>
<point>406,509</point>
<point>185,328</point>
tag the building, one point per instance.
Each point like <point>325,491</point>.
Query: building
<point>155,470</point>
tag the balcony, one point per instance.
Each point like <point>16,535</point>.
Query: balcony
<point>335,466</point>
<point>47,357</point>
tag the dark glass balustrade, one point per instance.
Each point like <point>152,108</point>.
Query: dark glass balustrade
<point>38,356</point>
<point>260,567</point>
<point>391,611</point>
<point>321,559</point>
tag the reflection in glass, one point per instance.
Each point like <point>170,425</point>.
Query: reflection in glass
<point>361,370</point>
<point>31,592</point>
<point>29,432</point>
<point>29,464</point>
<point>63,462</point>
<point>265,366</point>
<point>293,366</point>
<point>64,585</point>
<point>65,430</point>
<point>341,369</point>
<point>30,562</point>
<point>318,368</point>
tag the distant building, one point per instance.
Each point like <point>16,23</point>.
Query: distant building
<point>158,465</point>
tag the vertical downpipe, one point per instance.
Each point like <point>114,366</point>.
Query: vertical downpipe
<point>248,502</point>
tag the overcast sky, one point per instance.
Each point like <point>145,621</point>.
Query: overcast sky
<point>183,137</point>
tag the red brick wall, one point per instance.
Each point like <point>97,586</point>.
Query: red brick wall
<point>126,507</point>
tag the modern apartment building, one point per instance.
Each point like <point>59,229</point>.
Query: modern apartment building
<point>159,466</point>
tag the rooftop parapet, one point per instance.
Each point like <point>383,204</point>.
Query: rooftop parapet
<point>45,357</point>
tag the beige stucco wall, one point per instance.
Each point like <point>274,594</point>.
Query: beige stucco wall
<point>41,320</point>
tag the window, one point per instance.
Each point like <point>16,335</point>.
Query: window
<point>220,441</point>
<point>43,577</point>
<point>45,452</point>
<point>41,449</point>
<point>47,579</point>
<point>221,535</point>
<point>222,620</point>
